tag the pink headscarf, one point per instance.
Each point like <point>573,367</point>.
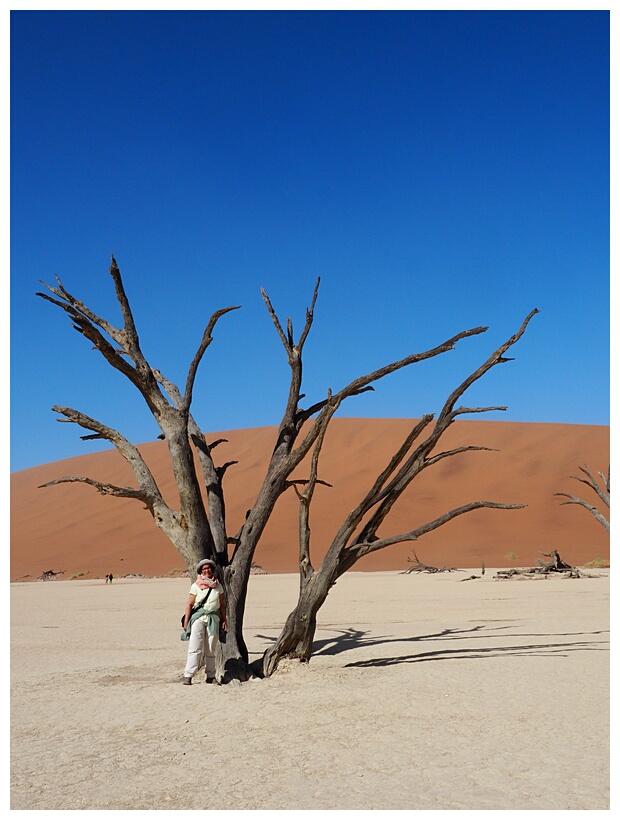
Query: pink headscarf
<point>206,583</point>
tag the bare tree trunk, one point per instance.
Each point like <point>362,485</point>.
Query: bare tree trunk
<point>232,658</point>
<point>295,640</point>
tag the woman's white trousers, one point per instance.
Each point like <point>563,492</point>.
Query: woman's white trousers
<point>201,649</point>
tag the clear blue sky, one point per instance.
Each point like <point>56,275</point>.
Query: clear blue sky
<point>438,170</point>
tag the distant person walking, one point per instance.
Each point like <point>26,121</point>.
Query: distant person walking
<point>205,610</point>
<point>108,578</point>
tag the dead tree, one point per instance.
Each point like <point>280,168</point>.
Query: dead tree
<point>544,569</point>
<point>50,575</point>
<point>199,531</point>
<point>358,534</point>
<point>418,566</point>
<point>601,491</point>
<point>556,564</point>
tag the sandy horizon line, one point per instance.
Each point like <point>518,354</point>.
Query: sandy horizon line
<point>71,527</point>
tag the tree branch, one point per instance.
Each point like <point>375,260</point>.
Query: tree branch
<point>105,489</point>
<point>347,547</point>
<point>130,452</point>
<point>420,459</point>
<point>497,357</point>
<point>596,513</point>
<point>86,322</point>
<point>168,520</point>
<point>604,496</point>
<point>305,500</point>
<point>362,383</point>
<point>460,411</point>
<point>274,318</point>
<point>373,495</point>
<point>129,325</point>
<point>207,338</point>
<point>465,449</point>
<point>352,554</point>
<point>303,415</point>
<point>309,316</point>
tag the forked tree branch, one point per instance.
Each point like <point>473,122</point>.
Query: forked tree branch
<point>168,520</point>
<point>384,494</point>
<point>590,507</point>
<point>129,451</point>
<point>363,383</point>
<point>602,492</point>
<point>352,554</point>
<point>497,357</point>
<point>171,412</point>
<point>293,349</point>
<point>420,458</point>
<point>141,374</point>
<point>406,464</point>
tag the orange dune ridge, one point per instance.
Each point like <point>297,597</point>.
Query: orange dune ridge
<point>70,527</point>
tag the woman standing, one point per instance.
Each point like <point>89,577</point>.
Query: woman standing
<point>206,599</point>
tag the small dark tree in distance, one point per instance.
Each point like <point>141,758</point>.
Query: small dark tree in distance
<point>200,532</point>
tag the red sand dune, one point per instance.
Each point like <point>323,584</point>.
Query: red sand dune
<point>71,527</point>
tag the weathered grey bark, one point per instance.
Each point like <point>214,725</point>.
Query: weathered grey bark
<point>198,531</point>
<point>288,454</point>
<point>601,491</point>
<point>194,533</point>
<point>358,534</point>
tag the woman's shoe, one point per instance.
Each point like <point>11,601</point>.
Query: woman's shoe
<point>187,681</point>
<point>212,680</point>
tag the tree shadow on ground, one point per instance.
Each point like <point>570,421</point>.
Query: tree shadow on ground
<point>554,647</point>
<point>355,638</point>
<point>350,638</point>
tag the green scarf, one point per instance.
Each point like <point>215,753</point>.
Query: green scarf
<point>213,623</point>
